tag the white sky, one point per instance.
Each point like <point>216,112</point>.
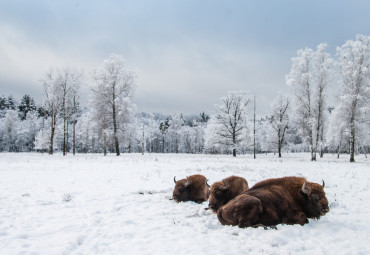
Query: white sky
<point>188,53</point>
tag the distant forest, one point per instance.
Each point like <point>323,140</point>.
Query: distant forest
<point>300,121</point>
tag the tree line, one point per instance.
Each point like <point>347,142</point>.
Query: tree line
<point>300,121</point>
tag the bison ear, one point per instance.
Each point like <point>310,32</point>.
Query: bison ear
<point>226,186</point>
<point>174,179</point>
<point>323,184</point>
<point>188,182</point>
<point>207,183</point>
<point>306,190</point>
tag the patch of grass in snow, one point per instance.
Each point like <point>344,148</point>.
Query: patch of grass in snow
<point>67,198</point>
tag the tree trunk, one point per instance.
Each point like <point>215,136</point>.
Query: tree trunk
<point>53,120</point>
<point>64,125</point>
<point>254,130</point>
<point>352,146</point>
<point>313,154</point>
<point>163,144</point>
<point>150,145</point>
<point>93,145</point>
<point>142,144</point>
<point>51,149</point>
<point>67,138</point>
<point>279,148</point>
<point>105,145</point>
<point>116,143</point>
<point>74,138</point>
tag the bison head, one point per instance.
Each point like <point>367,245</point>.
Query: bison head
<point>218,195</point>
<point>316,203</point>
<point>181,192</point>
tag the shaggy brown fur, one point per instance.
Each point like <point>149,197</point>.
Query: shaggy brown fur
<point>223,191</point>
<point>192,188</point>
<point>289,200</point>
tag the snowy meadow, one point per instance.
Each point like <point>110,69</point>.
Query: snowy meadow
<point>91,204</point>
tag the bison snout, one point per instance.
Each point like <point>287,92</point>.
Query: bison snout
<point>325,210</point>
<point>213,207</point>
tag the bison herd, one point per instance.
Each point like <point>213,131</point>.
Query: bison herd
<point>287,200</point>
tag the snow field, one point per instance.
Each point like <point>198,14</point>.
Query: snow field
<point>91,204</point>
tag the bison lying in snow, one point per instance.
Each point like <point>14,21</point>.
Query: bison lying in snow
<point>289,200</point>
<point>193,188</point>
<point>223,191</point>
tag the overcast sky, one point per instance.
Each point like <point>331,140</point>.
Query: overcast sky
<point>188,53</point>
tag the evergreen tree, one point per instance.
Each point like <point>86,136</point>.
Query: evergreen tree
<point>2,103</point>
<point>27,105</point>
<point>10,103</point>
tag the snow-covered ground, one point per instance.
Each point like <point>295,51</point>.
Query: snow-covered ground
<point>91,204</point>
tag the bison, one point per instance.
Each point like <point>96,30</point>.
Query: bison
<point>223,191</point>
<point>288,200</point>
<point>192,188</point>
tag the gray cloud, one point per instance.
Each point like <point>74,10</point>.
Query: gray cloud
<point>189,53</point>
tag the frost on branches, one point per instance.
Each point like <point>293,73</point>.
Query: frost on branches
<point>308,80</point>
<point>228,128</point>
<point>113,89</point>
<point>354,105</point>
<point>279,121</point>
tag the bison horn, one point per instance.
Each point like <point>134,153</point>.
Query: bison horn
<point>174,179</point>
<point>323,184</point>
<point>187,183</point>
<point>207,183</point>
<point>226,186</point>
<point>304,189</point>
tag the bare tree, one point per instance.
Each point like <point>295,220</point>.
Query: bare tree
<point>322,64</point>
<point>231,115</point>
<point>279,119</point>
<point>52,102</point>
<point>76,79</point>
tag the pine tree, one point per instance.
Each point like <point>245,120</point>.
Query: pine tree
<point>10,103</point>
<point>27,105</point>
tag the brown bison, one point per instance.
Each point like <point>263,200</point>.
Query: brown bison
<point>288,200</point>
<point>193,188</point>
<point>220,193</point>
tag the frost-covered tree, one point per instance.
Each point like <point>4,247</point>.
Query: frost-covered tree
<point>10,125</point>
<point>279,120</point>
<point>229,122</point>
<point>84,134</point>
<point>163,127</point>
<point>174,131</point>
<point>152,131</point>
<point>213,142</point>
<point>27,131</point>
<point>113,89</point>
<point>337,132</point>
<point>354,99</point>
<point>74,107</point>
<point>322,71</point>
<point>308,79</point>
<point>69,81</point>
<point>198,131</point>
<point>52,101</point>
<point>42,140</point>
